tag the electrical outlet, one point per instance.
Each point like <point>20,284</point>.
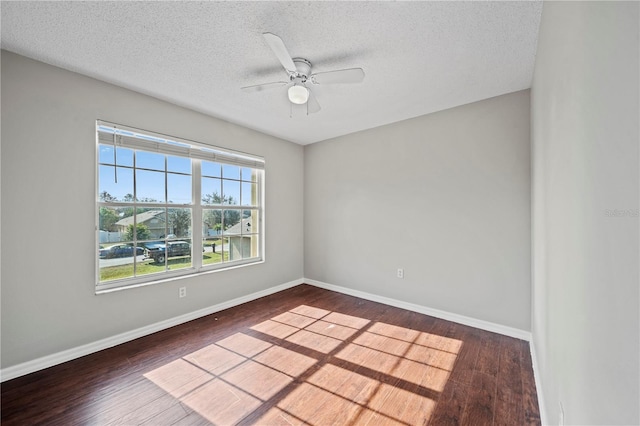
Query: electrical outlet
<point>400,273</point>
<point>183,292</point>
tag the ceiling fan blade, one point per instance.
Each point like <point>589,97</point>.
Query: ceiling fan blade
<point>351,75</point>
<point>312,104</point>
<point>261,87</point>
<point>277,45</point>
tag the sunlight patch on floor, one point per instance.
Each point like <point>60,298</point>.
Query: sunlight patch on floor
<point>330,368</point>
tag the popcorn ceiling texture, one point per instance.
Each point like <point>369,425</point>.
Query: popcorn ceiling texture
<point>419,57</point>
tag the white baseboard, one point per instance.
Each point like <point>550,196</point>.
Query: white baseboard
<point>77,352</point>
<point>538,380</point>
<point>460,319</point>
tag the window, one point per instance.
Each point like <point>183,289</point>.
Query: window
<point>168,207</point>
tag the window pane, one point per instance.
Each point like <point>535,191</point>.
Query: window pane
<point>154,221</point>
<point>105,154</point>
<point>148,266</point>
<point>149,160</point>
<point>249,174</point>
<point>179,188</point>
<point>176,252</point>
<point>150,186</point>
<point>117,260</point>
<point>124,155</point>
<point>250,246</point>
<point>250,217</point>
<point>242,247</point>
<point>230,221</point>
<point>235,248</point>
<point>250,234</point>
<point>179,223</point>
<point>141,229</point>
<point>212,253</point>
<point>211,190</point>
<point>230,172</point>
<point>108,216</point>
<point>211,222</point>
<point>249,194</point>
<point>240,236</point>
<point>215,251</point>
<point>171,255</point>
<point>214,245</point>
<point>246,222</point>
<point>109,189</point>
<point>178,164</point>
<point>230,192</point>
<point>211,169</point>
<point>179,254</point>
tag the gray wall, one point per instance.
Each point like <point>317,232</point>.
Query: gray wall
<point>48,198</point>
<point>585,167</point>
<point>445,196</point>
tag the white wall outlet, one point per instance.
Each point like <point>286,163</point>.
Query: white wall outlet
<point>183,292</point>
<point>400,273</point>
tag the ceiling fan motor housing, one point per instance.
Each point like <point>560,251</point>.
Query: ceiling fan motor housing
<point>303,69</point>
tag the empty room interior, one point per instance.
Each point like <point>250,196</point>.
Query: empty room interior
<point>321,213</point>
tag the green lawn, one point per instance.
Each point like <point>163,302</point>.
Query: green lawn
<point>149,266</point>
<point>217,242</point>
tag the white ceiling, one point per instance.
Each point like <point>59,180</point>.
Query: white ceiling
<point>419,57</point>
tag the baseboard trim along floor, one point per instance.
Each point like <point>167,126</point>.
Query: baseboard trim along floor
<point>80,351</point>
<point>77,352</point>
<point>460,319</point>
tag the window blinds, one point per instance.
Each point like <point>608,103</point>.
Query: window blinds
<point>127,137</point>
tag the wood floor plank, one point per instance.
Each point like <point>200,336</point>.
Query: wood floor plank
<point>510,373</point>
<point>509,397</point>
<point>464,368</point>
<point>450,406</point>
<point>508,407</point>
<point>479,409</point>
<point>304,355</point>
<point>488,362</point>
<point>162,409</point>
<point>193,419</point>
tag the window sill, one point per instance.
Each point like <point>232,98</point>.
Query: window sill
<point>187,273</point>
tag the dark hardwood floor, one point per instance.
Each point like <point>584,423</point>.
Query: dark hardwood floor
<point>304,355</point>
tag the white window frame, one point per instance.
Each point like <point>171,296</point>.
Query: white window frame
<point>138,139</point>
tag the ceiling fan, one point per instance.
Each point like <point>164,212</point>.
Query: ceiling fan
<point>299,76</point>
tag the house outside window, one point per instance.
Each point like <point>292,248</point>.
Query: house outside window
<point>168,207</point>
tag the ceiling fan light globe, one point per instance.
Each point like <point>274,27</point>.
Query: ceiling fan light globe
<point>298,94</point>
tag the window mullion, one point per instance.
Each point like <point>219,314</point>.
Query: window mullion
<point>196,225</point>
<point>135,218</point>
<point>166,216</point>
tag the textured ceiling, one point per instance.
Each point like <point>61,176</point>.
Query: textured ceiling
<point>419,57</point>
